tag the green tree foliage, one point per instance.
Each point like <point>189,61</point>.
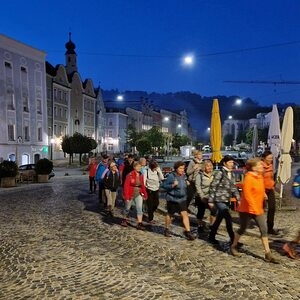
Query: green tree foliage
<point>143,145</point>
<point>78,143</point>
<point>228,139</point>
<point>241,137</point>
<point>131,136</point>
<point>262,135</point>
<point>155,137</point>
<point>180,140</point>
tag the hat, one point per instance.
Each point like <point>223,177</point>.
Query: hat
<point>226,158</point>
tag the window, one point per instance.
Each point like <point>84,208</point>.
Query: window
<point>26,133</point>
<point>25,104</point>
<point>110,122</point>
<point>65,114</point>
<point>10,100</point>
<point>11,132</point>
<point>7,65</point>
<point>60,133</point>
<point>39,106</point>
<point>60,112</point>
<point>59,95</point>
<point>110,133</point>
<point>40,134</point>
<point>23,69</point>
<point>55,94</point>
<point>55,131</point>
<point>110,147</point>
<point>55,111</point>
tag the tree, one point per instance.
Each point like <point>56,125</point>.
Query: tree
<point>228,139</point>
<point>66,147</point>
<point>180,140</point>
<point>143,145</point>
<point>241,137</point>
<point>262,135</point>
<point>131,136</point>
<point>155,136</point>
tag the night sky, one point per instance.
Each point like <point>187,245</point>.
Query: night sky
<point>139,44</point>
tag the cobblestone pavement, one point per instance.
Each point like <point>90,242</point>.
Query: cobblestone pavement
<point>56,244</point>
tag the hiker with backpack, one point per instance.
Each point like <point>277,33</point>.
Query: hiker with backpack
<point>176,195</point>
<point>111,182</point>
<point>222,189</point>
<point>203,182</point>
<point>152,177</point>
<point>102,166</point>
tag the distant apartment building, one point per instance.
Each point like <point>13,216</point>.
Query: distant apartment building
<point>73,105</point>
<point>115,131</point>
<point>23,113</point>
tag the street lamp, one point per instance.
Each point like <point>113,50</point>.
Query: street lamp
<point>52,141</point>
<point>166,119</point>
<point>120,97</point>
<point>208,129</point>
<point>230,117</point>
<point>238,101</point>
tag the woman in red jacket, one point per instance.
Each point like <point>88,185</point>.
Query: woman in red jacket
<point>134,193</point>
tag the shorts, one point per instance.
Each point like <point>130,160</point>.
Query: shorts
<point>176,207</point>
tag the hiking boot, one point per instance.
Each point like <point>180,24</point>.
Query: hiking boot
<point>189,235</point>
<point>167,232</point>
<point>235,252</point>
<point>290,251</point>
<point>140,226</point>
<point>124,223</point>
<point>270,258</point>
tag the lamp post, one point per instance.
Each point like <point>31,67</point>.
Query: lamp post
<point>19,141</point>
<point>52,141</point>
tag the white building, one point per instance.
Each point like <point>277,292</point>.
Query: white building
<point>23,113</point>
<point>115,131</point>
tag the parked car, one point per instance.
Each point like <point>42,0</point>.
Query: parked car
<point>28,171</point>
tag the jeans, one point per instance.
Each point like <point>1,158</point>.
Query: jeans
<point>138,202</point>
<point>223,213</point>
<point>152,203</point>
<point>202,204</point>
<point>92,184</point>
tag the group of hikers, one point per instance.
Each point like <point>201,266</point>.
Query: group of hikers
<point>143,182</point>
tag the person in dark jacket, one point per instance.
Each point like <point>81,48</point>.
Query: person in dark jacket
<point>99,176</point>
<point>221,190</point>
<point>176,187</point>
<point>128,167</point>
<point>111,181</point>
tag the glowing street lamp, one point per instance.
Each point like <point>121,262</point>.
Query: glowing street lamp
<point>230,117</point>
<point>179,125</point>
<point>208,128</point>
<point>120,98</point>
<point>166,119</point>
<point>238,101</point>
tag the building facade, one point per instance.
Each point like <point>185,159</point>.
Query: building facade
<point>23,114</point>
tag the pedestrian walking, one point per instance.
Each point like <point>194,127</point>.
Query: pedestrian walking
<point>92,173</point>
<point>127,168</point>
<point>252,207</point>
<point>143,163</point>
<point>152,177</point>
<point>267,158</point>
<point>102,166</point>
<point>193,169</point>
<point>289,248</point>
<point>202,182</point>
<point>222,189</point>
<point>134,193</point>
<point>111,181</point>
<point>176,188</point>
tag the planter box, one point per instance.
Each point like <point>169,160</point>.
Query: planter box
<point>7,182</point>
<point>42,178</point>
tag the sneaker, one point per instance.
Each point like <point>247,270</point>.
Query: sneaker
<point>270,258</point>
<point>167,232</point>
<point>289,250</point>
<point>140,226</point>
<point>189,235</point>
<point>273,232</point>
<point>235,252</point>
<point>124,223</point>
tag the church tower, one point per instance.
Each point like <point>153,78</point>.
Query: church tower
<point>71,56</point>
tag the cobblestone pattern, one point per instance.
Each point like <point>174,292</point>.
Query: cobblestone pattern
<point>56,244</point>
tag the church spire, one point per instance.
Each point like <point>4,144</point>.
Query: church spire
<point>71,61</point>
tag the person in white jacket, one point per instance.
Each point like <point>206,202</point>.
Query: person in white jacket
<point>152,177</point>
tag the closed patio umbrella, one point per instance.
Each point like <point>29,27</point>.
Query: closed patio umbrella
<point>216,133</point>
<point>274,134</point>
<point>285,161</point>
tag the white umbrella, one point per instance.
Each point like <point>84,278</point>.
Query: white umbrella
<point>274,134</point>
<point>284,170</point>
<point>254,140</point>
